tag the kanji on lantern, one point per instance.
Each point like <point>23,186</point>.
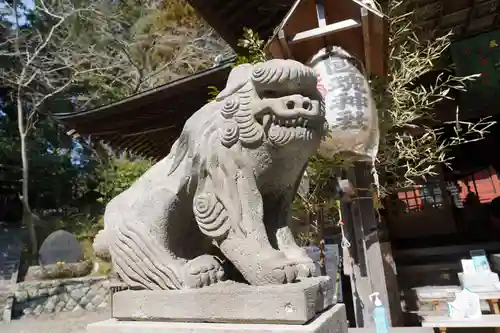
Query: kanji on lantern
<point>357,100</point>
<point>347,120</point>
<point>336,66</point>
<point>347,82</point>
<point>351,111</point>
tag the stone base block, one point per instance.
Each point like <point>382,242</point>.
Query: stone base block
<point>331,321</point>
<point>229,302</point>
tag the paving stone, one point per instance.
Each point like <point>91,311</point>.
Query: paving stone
<point>97,300</point>
<point>331,320</point>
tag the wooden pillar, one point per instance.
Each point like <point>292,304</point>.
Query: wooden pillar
<point>320,220</point>
<point>368,261</point>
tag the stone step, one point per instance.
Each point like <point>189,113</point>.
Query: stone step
<point>5,307</point>
<point>10,257</point>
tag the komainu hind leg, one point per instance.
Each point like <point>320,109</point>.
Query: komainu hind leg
<point>136,268</point>
<point>149,251</point>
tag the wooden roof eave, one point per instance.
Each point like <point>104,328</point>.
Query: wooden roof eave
<point>132,123</point>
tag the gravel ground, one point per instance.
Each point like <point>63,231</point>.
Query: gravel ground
<point>62,322</point>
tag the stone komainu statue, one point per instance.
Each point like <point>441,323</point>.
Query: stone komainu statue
<point>224,192</point>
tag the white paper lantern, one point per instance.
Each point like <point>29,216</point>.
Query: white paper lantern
<point>350,109</point>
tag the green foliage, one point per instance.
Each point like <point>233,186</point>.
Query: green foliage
<point>54,180</point>
<point>412,144</point>
<point>213,92</point>
<point>307,238</point>
<point>78,55</point>
<point>254,47</point>
<point>119,175</point>
<point>252,43</point>
<point>149,44</point>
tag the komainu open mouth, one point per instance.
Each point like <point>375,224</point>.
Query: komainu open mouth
<point>280,135</point>
<point>289,122</point>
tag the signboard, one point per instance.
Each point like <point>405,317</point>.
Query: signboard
<point>479,55</point>
<point>332,258</point>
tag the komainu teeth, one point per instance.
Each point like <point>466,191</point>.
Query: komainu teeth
<point>297,122</point>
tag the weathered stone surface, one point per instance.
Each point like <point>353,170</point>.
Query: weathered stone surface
<point>229,302</point>
<point>330,321</point>
<point>262,127</point>
<point>6,312</point>
<point>60,246</point>
<point>21,296</point>
<point>101,246</point>
<point>78,293</point>
<point>60,306</point>
<point>57,271</point>
<point>34,298</point>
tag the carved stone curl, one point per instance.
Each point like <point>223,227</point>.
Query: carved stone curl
<point>229,133</point>
<point>211,216</point>
<point>230,107</point>
<point>225,189</point>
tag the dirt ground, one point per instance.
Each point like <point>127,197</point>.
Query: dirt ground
<point>62,322</point>
<point>76,322</point>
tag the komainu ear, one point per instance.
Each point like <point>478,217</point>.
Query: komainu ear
<point>238,77</point>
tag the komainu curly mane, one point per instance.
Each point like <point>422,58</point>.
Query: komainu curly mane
<point>224,192</point>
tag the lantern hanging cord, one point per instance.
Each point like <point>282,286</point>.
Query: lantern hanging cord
<point>344,243</point>
<point>376,180</point>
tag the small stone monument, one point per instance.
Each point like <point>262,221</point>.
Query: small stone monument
<point>204,233</point>
<point>60,246</point>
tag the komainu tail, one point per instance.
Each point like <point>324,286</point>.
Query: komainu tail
<point>101,246</point>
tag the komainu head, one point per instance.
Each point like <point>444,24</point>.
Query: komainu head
<point>267,111</point>
<point>274,102</point>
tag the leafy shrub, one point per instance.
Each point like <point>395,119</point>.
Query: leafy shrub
<point>119,175</point>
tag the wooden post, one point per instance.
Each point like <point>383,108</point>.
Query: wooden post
<point>320,220</point>
<point>371,269</point>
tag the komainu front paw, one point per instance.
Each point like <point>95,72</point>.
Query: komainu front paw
<point>202,271</point>
<point>273,268</point>
<point>308,269</point>
<point>279,273</point>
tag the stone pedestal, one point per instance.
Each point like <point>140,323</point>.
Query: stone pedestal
<point>332,320</point>
<point>306,306</point>
<point>228,302</point>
